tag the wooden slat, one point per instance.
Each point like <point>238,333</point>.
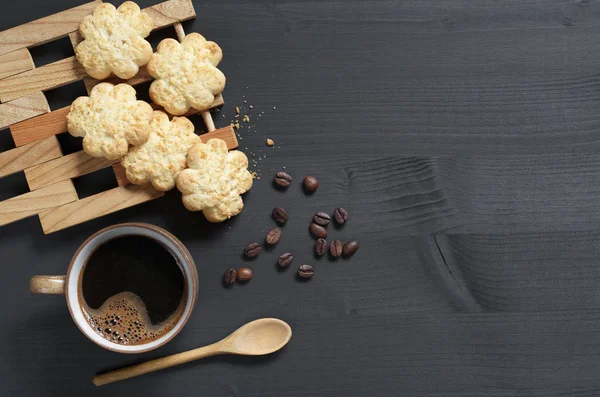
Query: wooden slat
<point>169,12</point>
<point>141,77</point>
<point>44,30</point>
<point>35,153</point>
<point>35,202</point>
<point>44,78</point>
<point>22,109</point>
<point>15,62</point>
<point>96,206</point>
<point>55,123</point>
<point>227,134</point>
<point>63,168</point>
<point>40,127</point>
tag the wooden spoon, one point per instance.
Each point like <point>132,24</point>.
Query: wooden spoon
<point>258,337</point>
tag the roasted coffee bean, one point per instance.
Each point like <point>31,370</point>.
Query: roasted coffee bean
<point>335,248</point>
<point>285,259</point>
<point>340,215</point>
<point>350,248</point>
<point>321,246</point>
<point>317,231</point>
<point>280,215</point>
<point>305,271</point>
<point>273,236</point>
<point>310,184</point>
<point>282,179</point>
<point>252,250</point>
<point>321,219</point>
<point>244,274</point>
<point>229,276</point>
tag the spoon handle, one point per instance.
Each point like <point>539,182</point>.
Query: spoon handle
<point>155,365</point>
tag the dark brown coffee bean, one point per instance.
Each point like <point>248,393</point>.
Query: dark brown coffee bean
<point>252,250</point>
<point>321,246</point>
<point>310,184</point>
<point>244,274</point>
<point>340,215</point>
<point>282,179</point>
<point>335,248</point>
<point>321,219</point>
<point>280,215</point>
<point>285,259</point>
<point>229,276</point>
<point>350,248</point>
<point>273,236</point>
<point>317,231</point>
<point>305,271</point>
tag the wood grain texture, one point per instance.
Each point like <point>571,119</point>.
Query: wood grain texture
<point>45,29</point>
<point>22,109</point>
<point>44,78</point>
<point>227,134</point>
<point>95,206</point>
<point>39,127</point>
<point>169,12</point>
<point>15,62</point>
<point>32,203</point>
<point>18,159</point>
<point>64,168</point>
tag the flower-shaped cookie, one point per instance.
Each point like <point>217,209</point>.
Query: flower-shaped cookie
<point>109,120</point>
<point>215,180</point>
<point>186,74</point>
<point>114,41</point>
<point>163,155</point>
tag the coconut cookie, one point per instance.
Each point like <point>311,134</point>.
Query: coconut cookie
<point>163,155</point>
<point>214,180</point>
<point>114,41</point>
<point>109,120</point>
<point>186,74</point>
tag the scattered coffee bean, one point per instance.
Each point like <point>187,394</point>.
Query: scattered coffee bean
<point>273,236</point>
<point>252,250</point>
<point>282,179</point>
<point>321,219</point>
<point>317,231</point>
<point>340,215</point>
<point>310,184</point>
<point>229,276</point>
<point>321,246</point>
<point>244,274</point>
<point>280,215</point>
<point>350,248</point>
<point>285,259</point>
<point>305,271</point>
<point>335,248</point>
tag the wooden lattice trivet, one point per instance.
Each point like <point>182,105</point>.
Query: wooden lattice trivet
<point>24,109</point>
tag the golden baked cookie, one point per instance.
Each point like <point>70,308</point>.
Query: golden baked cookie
<point>160,159</point>
<point>215,180</point>
<point>109,120</point>
<point>114,41</point>
<point>186,74</point>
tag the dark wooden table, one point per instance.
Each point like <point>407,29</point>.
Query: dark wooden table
<point>462,137</point>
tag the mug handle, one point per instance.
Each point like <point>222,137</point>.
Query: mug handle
<point>47,285</point>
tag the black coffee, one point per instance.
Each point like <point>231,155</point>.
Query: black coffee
<point>133,290</point>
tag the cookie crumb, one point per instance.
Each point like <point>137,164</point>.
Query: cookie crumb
<point>246,119</point>
<point>237,110</point>
<point>274,107</point>
<point>270,142</point>
<point>251,107</point>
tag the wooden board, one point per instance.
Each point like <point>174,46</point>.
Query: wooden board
<point>95,206</point>
<point>63,168</point>
<point>15,62</point>
<point>44,78</point>
<point>35,153</point>
<point>34,202</point>
<point>169,12</point>
<point>22,109</point>
<point>40,127</point>
<point>44,29</point>
<point>227,134</point>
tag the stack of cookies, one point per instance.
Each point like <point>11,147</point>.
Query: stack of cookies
<point>153,147</point>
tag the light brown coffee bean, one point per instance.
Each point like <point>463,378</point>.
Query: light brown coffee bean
<point>350,248</point>
<point>317,231</point>
<point>244,274</point>
<point>310,184</point>
<point>273,236</point>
